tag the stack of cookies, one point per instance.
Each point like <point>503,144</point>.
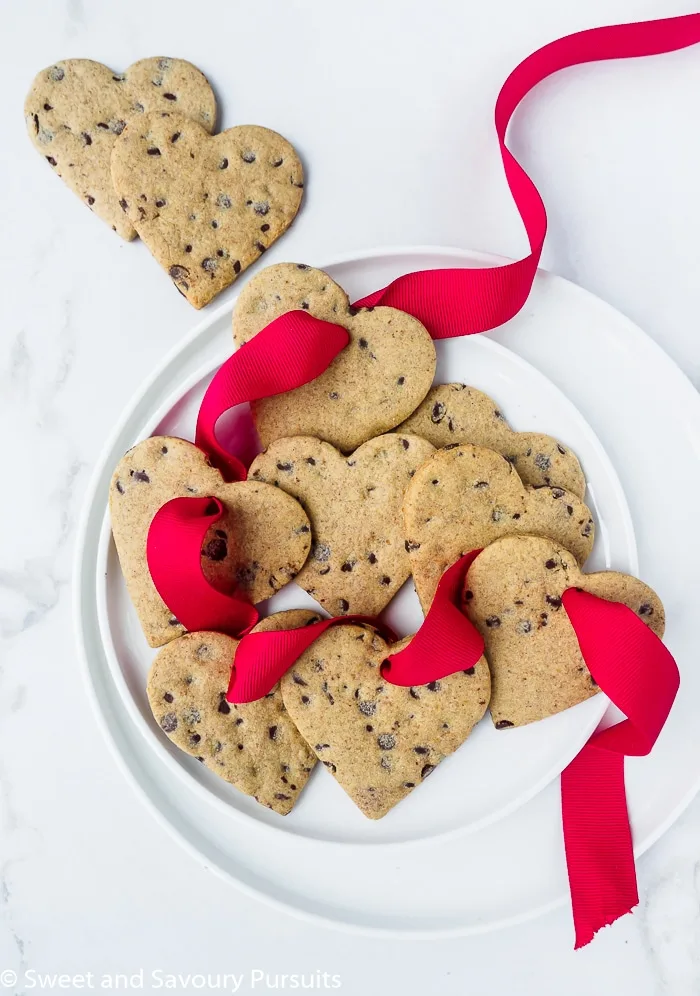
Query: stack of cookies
<point>369,475</point>
<point>139,149</point>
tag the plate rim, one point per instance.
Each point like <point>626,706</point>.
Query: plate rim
<point>79,578</point>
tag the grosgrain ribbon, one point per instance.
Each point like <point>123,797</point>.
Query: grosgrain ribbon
<point>638,673</point>
<point>453,302</point>
<point>174,557</point>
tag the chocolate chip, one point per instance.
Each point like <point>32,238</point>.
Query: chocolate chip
<point>169,722</point>
<point>321,746</point>
<point>321,552</point>
<point>367,708</point>
<point>493,622</point>
<point>153,151</point>
<point>413,693</point>
<point>334,397</point>
<point>433,686</point>
<point>480,485</point>
<point>409,785</point>
<point>386,580</point>
<point>588,528</point>
<point>174,622</point>
<point>503,724</point>
<point>209,264</point>
<point>195,738</point>
<point>266,228</point>
<point>141,476</point>
<point>561,449</point>
<point>169,697</point>
<point>175,136</point>
<point>645,609</point>
<point>48,107</point>
<point>426,769</point>
<point>498,414</point>
<point>56,74</point>
<point>170,96</point>
<point>224,707</point>
<point>348,565</point>
<point>237,266</point>
<point>325,570</point>
<point>410,545</point>
<point>343,604</point>
<point>305,699</point>
<point>51,160</point>
<point>285,466</point>
<point>550,564</point>
<point>386,741</point>
<point>558,492</point>
<point>553,600</point>
<point>123,204</point>
<point>542,461</point>
<point>272,733</point>
<point>276,162</point>
<point>369,728</point>
<point>372,557</point>
<point>299,184</point>
<point>523,627</point>
<point>260,247</point>
<point>331,766</point>
<point>240,746</point>
<point>401,381</point>
<point>298,680</point>
<point>421,750</point>
<point>363,344</point>
<point>178,273</point>
<point>470,671</point>
<point>90,200</point>
<point>248,157</point>
<point>311,461</point>
<point>215,549</point>
<point>438,412</point>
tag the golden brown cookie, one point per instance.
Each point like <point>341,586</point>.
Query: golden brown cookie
<point>254,745</point>
<point>76,109</point>
<point>378,740</point>
<point>206,206</point>
<point>464,497</point>
<point>513,594</point>
<point>455,413</point>
<point>258,545</point>
<point>358,560</point>
<point>373,384</point>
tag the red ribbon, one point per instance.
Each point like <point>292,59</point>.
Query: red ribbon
<point>297,347</point>
<point>174,556</point>
<point>638,673</point>
<point>446,642</point>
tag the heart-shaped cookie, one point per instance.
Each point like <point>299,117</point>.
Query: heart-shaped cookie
<point>76,109</point>
<point>465,497</point>
<point>378,740</point>
<point>255,745</point>
<point>206,206</point>
<point>379,378</point>
<point>455,413</point>
<point>258,545</point>
<point>358,560</point>
<point>513,594</point>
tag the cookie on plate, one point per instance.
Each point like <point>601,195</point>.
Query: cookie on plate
<point>513,594</point>
<point>465,497</point>
<point>207,206</point>
<point>258,545</point>
<point>253,745</point>
<point>358,558</point>
<point>76,109</point>
<point>455,413</point>
<point>380,377</point>
<point>378,740</point>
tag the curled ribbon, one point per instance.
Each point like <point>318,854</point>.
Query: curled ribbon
<point>455,302</point>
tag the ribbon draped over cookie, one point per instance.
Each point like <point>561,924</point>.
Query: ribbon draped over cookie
<point>625,657</point>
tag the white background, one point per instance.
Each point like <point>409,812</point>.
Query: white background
<point>390,104</point>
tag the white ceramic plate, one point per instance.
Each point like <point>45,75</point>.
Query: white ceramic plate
<point>473,881</point>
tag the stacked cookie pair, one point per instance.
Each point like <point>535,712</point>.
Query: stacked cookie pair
<point>139,149</point>
<point>369,475</point>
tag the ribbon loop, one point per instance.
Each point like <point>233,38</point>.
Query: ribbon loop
<point>174,556</point>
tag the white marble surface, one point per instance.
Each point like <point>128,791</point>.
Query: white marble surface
<point>390,103</point>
